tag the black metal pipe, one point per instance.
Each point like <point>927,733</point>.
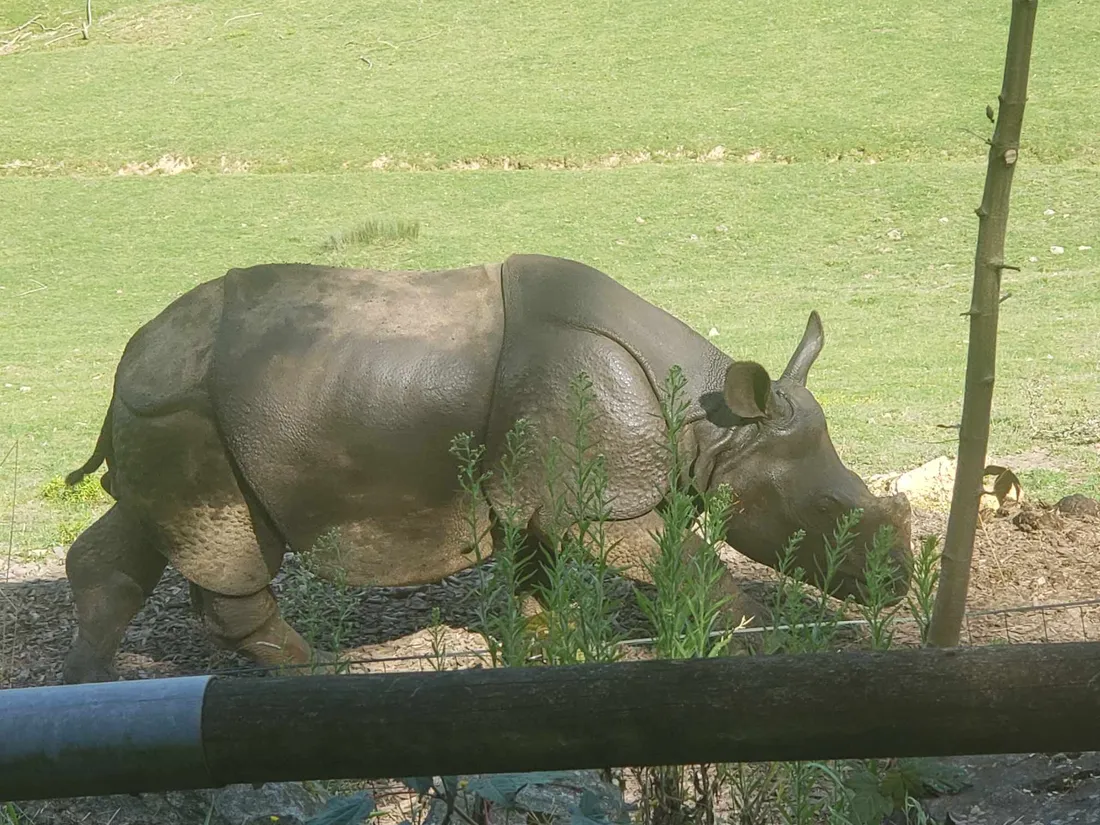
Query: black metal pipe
<point>205,732</point>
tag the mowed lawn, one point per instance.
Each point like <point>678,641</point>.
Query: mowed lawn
<point>738,164</point>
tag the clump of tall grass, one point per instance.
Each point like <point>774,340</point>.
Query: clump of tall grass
<point>79,503</point>
<point>372,232</point>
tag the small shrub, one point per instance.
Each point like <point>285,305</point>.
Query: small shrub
<point>808,623</point>
<point>687,608</point>
<point>578,622</point>
<point>436,630</point>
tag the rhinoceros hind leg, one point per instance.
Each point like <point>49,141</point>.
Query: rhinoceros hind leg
<point>112,568</point>
<point>251,625</point>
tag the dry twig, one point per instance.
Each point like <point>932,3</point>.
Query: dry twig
<point>243,17</point>
<point>32,21</point>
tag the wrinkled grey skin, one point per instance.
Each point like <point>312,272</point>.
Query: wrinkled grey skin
<point>281,404</point>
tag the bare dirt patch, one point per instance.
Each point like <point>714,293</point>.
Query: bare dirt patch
<point>159,24</point>
<point>165,165</point>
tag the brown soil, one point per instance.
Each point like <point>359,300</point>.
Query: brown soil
<point>1025,555</point>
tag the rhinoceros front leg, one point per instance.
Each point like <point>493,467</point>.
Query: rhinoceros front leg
<point>112,568</point>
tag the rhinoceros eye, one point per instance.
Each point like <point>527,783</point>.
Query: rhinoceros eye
<point>784,410</point>
<point>826,504</point>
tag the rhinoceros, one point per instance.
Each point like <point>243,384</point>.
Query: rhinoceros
<point>281,403</point>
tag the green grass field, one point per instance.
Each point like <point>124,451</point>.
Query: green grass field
<point>739,164</point>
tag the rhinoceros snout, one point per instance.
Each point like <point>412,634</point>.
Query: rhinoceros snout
<point>900,508</point>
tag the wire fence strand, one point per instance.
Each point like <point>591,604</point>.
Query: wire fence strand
<point>478,657</point>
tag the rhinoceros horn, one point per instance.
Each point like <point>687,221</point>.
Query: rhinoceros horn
<point>813,339</point>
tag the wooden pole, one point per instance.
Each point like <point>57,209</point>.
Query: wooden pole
<point>131,737</point>
<point>1004,152</point>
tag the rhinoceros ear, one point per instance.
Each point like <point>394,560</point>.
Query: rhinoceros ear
<point>813,339</point>
<point>748,389</point>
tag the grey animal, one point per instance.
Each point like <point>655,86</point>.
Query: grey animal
<point>285,402</point>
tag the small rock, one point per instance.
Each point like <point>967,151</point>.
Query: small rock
<point>1048,212</point>
<point>713,332</point>
<point>639,220</point>
<point>894,234</point>
<point>291,802</point>
<point>1084,248</point>
<point>723,228</point>
<point>1057,250</point>
<point>1033,259</point>
<point>944,220</point>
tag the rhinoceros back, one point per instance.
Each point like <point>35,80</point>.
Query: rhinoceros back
<point>338,392</point>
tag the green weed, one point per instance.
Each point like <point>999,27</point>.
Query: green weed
<point>804,618</point>
<point>87,491</point>
<point>498,597</point>
<point>922,593</point>
<point>687,608</point>
<point>579,610</point>
<point>882,574</point>
<point>436,630</point>
<point>319,603</point>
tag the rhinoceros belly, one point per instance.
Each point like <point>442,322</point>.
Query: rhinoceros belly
<point>339,393</point>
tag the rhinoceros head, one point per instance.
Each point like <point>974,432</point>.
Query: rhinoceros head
<point>778,459</point>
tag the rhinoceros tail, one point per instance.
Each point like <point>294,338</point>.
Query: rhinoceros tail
<point>101,453</point>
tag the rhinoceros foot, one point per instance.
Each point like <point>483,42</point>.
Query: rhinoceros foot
<point>83,666</point>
